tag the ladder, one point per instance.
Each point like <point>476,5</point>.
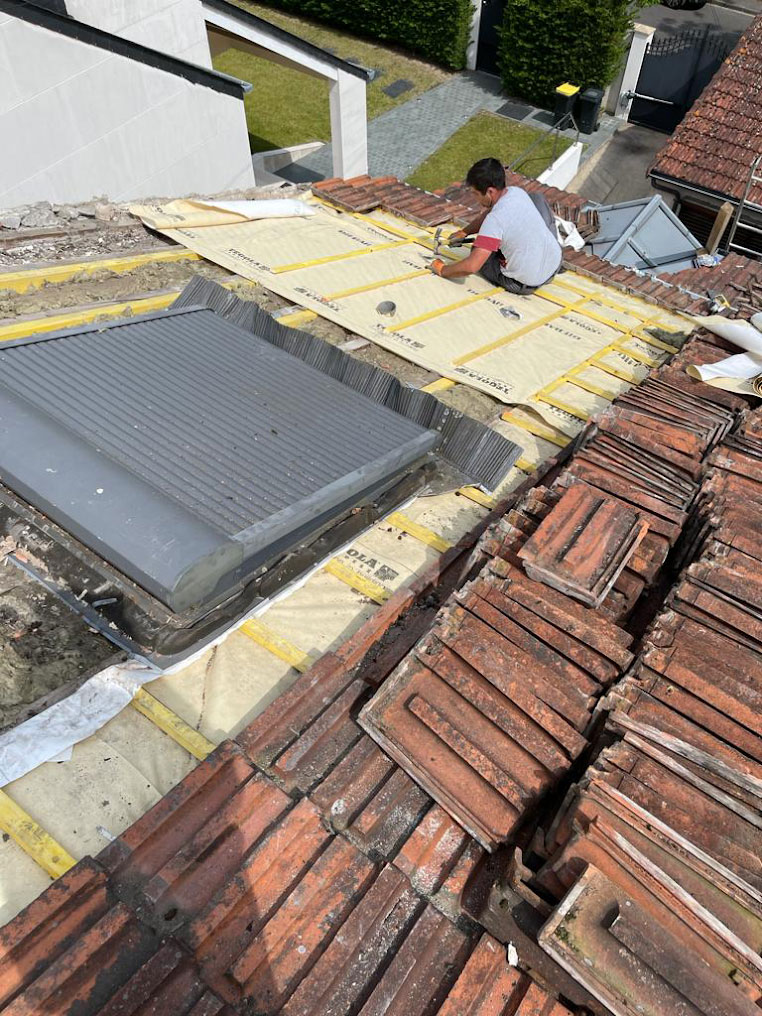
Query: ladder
<point>754,177</point>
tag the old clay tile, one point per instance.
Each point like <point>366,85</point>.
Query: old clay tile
<point>182,851</point>
<point>354,961</point>
<point>583,545</point>
<point>266,931</point>
<point>168,984</point>
<point>50,925</point>
<point>323,742</point>
<point>90,970</point>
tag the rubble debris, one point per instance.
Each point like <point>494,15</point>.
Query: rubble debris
<point>39,216</point>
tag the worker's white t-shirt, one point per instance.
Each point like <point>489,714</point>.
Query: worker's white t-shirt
<point>529,253</point>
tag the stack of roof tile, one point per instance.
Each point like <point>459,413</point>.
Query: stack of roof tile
<point>508,538</point>
<point>646,452</point>
<point>491,708</point>
<point>583,545</point>
<point>268,910</point>
<point>655,852</point>
<point>722,588</point>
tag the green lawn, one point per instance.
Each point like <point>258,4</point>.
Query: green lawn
<point>287,107</point>
<point>486,134</point>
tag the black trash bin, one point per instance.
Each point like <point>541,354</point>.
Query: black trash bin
<point>590,109</point>
<point>566,96</point>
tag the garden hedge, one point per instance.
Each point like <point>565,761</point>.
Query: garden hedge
<point>435,29</point>
<point>546,42</point>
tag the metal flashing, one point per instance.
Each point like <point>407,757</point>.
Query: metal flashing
<point>188,453</point>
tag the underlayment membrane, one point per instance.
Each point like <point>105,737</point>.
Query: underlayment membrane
<point>342,265</point>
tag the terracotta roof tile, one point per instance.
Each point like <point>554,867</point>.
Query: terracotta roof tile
<point>488,711</point>
<point>181,852</point>
<point>72,949</point>
<point>583,545</point>
<point>718,139</point>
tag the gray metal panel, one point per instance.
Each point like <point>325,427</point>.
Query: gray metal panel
<point>181,447</point>
<point>644,234</point>
<point>472,447</point>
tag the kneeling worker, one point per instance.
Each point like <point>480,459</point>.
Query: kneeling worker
<point>516,245</point>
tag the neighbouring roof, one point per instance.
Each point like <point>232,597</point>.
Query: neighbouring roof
<point>714,146</point>
<point>643,234</point>
<point>51,17</point>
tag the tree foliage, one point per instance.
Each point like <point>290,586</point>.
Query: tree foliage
<point>546,42</point>
<point>435,29</point>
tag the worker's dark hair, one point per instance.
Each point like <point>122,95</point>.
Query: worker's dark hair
<point>486,173</point>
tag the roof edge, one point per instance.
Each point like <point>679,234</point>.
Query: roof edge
<point>45,17</point>
<point>677,181</point>
<point>226,7</point>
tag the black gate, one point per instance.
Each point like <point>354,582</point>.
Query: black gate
<point>676,69</point>
<point>489,23</point>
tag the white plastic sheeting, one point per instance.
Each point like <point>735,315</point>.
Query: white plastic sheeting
<point>734,373</point>
<point>50,735</point>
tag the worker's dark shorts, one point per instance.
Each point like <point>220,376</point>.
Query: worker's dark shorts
<point>490,271</point>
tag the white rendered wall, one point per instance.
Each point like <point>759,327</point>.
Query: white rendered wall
<point>172,26</point>
<point>472,49</point>
<point>349,126</point>
<point>561,172</point>
<point>79,122</point>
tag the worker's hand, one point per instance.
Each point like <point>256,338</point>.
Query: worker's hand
<point>456,239</point>
<point>436,266</point>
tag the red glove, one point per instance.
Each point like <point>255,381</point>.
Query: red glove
<point>436,266</point>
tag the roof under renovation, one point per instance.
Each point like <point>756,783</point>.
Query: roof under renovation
<point>501,753</point>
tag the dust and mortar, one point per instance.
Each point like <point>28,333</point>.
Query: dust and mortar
<point>104,286</point>
<point>43,645</point>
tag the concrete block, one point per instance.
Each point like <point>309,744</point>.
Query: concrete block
<point>10,220</point>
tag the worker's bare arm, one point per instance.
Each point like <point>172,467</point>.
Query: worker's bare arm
<point>473,263</point>
<point>473,227</point>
